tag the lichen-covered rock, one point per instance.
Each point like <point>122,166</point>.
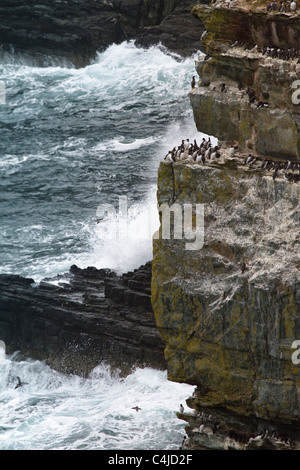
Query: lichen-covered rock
<point>229,331</point>
<point>229,311</point>
<point>249,22</point>
<point>236,41</point>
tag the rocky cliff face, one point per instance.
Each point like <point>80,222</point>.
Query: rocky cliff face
<point>179,31</point>
<point>229,312</point>
<point>77,29</point>
<point>255,53</point>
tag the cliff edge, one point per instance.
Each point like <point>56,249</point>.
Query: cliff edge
<point>229,309</point>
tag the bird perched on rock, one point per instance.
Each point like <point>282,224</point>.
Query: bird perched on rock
<point>249,159</point>
<point>170,157</point>
<point>205,33</point>
<point>231,151</point>
<point>293,6</point>
<point>262,104</point>
<point>223,87</point>
<point>181,408</point>
<point>193,83</point>
<point>187,144</point>
<point>244,267</point>
<point>200,157</point>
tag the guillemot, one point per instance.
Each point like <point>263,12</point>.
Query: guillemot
<point>20,383</point>
<point>223,88</point>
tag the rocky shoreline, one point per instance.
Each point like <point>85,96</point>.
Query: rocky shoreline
<point>78,320</point>
<point>78,29</point>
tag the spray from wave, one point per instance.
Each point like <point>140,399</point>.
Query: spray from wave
<point>54,411</point>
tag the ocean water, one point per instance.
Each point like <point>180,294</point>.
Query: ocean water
<point>52,411</point>
<point>74,142</point>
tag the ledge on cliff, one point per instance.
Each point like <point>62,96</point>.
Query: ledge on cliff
<point>249,22</point>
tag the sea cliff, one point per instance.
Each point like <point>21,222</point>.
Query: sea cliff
<point>256,53</point>
<point>229,312</point>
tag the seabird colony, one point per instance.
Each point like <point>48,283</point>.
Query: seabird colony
<point>193,153</point>
<point>270,51</point>
<point>283,6</point>
<point>207,153</point>
<point>209,425</point>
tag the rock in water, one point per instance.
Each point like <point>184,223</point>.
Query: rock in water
<point>73,326</point>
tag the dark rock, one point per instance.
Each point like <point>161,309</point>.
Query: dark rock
<point>179,32</point>
<point>77,29</point>
<point>92,316</point>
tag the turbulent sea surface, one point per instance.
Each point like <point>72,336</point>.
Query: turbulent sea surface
<point>57,412</point>
<point>74,140</point>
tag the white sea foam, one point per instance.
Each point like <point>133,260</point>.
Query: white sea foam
<point>124,246</point>
<point>148,87</point>
<point>123,253</point>
<point>53,411</point>
<point>8,161</point>
<point>120,146</point>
